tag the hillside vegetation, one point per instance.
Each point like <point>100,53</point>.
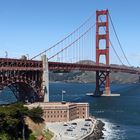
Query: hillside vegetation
<point>89,76</point>
<point>13,124</point>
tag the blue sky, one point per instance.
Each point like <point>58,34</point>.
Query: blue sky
<point>31,26</point>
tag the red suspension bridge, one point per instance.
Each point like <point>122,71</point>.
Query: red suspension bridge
<point>28,79</point>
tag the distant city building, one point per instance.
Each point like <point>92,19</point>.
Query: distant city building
<point>62,111</point>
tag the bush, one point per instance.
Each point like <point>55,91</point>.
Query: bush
<point>32,137</point>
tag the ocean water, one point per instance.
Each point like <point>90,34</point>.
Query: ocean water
<point>120,114</point>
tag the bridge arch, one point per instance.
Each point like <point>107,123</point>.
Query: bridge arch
<point>23,88</point>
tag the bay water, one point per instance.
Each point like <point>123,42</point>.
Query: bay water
<point>120,114</point>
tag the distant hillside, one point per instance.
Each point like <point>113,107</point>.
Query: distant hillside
<point>89,77</point>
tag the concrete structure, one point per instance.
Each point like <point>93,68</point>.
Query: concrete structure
<point>45,81</point>
<point>62,111</point>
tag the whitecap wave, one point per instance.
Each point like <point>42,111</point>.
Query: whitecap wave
<point>112,132</point>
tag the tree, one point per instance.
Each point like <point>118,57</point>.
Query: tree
<point>12,120</point>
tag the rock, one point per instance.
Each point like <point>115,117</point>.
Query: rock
<point>117,126</point>
<point>97,133</point>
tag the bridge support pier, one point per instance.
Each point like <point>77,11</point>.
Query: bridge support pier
<point>45,81</point>
<point>102,83</point>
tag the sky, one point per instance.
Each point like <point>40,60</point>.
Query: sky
<point>31,26</point>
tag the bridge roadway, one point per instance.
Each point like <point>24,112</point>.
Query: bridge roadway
<point>34,65</point>
<point>88,67</point>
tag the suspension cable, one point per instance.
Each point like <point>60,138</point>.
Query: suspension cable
<point>115,51</point>
<point>113,46</point>
<point>118,40</point>
<point>73,41</point>
<point>88,19</point>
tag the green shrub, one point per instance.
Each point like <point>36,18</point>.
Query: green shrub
<point>32,137</point>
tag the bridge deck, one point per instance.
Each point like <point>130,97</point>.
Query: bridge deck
<point>32,65</point>
<point>88,67</point>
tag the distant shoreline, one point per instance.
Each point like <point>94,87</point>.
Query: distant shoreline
<point>74,82</point>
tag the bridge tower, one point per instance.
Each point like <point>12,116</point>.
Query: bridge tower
<point>102,77</point>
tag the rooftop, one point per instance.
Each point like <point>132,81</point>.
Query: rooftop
<point>54,104</point>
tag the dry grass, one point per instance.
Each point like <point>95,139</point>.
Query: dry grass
<point>48,135</point>
<point>38,129</point>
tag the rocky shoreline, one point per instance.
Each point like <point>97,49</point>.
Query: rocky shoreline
<point>97,132</point>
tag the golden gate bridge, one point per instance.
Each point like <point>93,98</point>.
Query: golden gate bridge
<point>28,79</point>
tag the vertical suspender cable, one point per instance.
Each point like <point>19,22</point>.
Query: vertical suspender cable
<point>118,40</point>
<point>113,47</point>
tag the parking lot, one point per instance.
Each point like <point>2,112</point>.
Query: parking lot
<point>72,130</point>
